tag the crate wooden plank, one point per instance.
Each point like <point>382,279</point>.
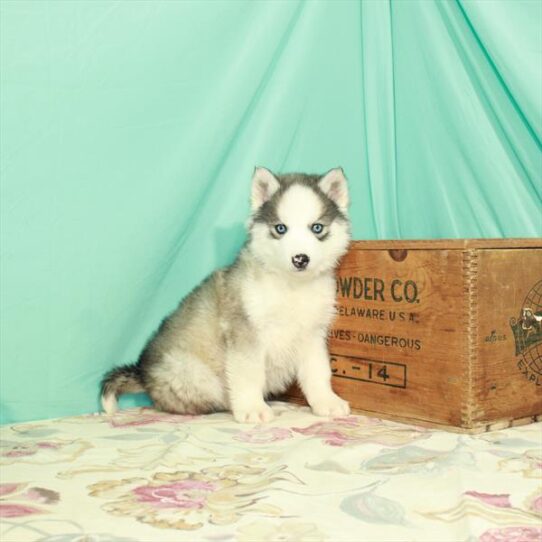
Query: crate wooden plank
<point>450,244</point>
<point>507,384</point>
<point>424,332</point>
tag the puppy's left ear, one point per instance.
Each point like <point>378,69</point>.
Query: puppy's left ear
<point>334,185</point>
<point>264,185</point>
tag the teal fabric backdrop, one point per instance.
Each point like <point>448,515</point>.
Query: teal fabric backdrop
<point>129,131</point>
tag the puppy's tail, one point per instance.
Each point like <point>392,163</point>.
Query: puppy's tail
<point>123,379</point>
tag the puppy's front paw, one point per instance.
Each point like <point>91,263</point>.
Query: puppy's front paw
<point>330,405</point>
<point>253,414</point>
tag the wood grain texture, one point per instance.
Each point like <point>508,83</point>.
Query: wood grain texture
<point>507,383</point>
<point>424,335</point>
<point>449,244</point>
<point>394,314</point>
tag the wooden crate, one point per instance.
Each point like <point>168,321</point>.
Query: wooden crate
<point>445,333</point>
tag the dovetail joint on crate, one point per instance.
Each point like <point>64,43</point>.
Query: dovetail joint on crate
<point>469,411</point>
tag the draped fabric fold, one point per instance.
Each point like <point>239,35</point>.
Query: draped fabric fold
<point>129,131</point>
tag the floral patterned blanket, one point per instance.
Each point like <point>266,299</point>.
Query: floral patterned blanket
<point>145,476</point>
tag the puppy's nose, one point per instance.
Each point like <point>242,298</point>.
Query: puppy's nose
<point>300,261</point>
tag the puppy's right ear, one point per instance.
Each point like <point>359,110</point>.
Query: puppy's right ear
<point>264,185</point>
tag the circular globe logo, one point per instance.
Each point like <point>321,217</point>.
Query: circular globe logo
<point>527,329</point>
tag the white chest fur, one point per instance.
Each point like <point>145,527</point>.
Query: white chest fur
<point>285,312</point>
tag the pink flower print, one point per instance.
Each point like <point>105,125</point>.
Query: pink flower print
<point>263,435</point>
<point>146,416</point>
<point>354,430</point>
<point>512,534</point>
<point>188,494</point>
<point>48,445</point>
<point>331,432</point>
<point>336,439</point>
<point>7,489</point>
<point>13,491</point>
<point>10,510</point>
<point>28,449</point>
<point>188,500</point>
<point>500,501</point>
<point>536,504</point>
<point>354,420</point>
<point>19,451</point>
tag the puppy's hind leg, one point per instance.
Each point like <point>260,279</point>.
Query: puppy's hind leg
<point>181,383</point>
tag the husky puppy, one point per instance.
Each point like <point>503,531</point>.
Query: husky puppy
<point>249,330</point>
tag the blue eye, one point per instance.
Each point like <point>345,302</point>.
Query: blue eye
<point>280,229</point>
<point>317,228</point>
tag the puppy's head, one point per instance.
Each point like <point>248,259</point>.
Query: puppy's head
<point>299,223</point>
